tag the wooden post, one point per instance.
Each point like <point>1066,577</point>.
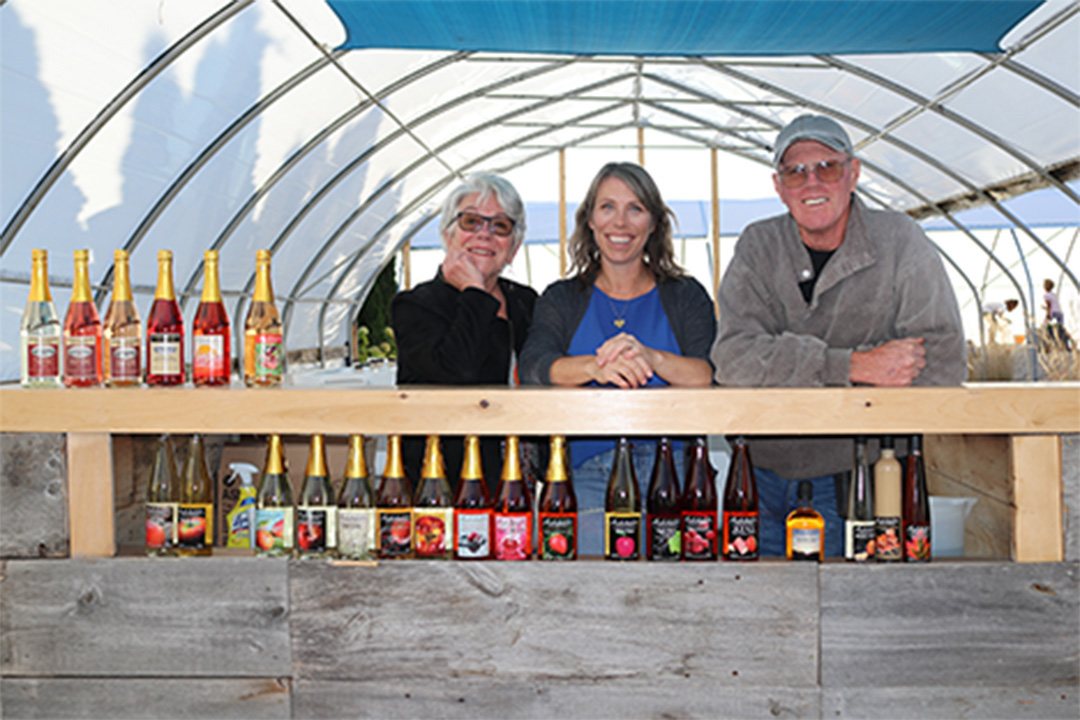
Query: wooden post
<point>641,146</point>
<point>1035,467</point>
<point>406,264</point>
<point>91,506</point>
<point>715,231</point>
<point>562,213</point>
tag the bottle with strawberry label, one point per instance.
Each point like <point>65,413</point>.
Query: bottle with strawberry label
<point>558,507</point>
<point>162,497</point>
<point>195,513</point>
<point>740,507</point>
<point>622,508</point>
<point>699,507</point>
<point>274,528</point>
<point>393,506</point>
<point>316,507</point>
<point>472,507</point>
<point>513,509</point>
<point>40,333</point>
<point>264,348</point>
<point>433,511</point>
<point>356,507</point>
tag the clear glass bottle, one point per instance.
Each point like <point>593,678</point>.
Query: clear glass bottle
<point>274,512</point>
<point>82,330</point>
<point>557,509</point>
<point>859,523</point>
<point>316,507</point>
<point>195,513</point>
<point>513,508</point>
<point>356,507</point>
<point>164,330</point>
<point>805,528</point>
<point>162,498</point>
<point>41,335</point>
<point>888,487</point>
<point>622,508</point>
<point>700,523</point>
<point>264,349</point>
<point>393,506</point>
<point>211,354</point>
<point>433,507</point>
<point>122,330</point>
<point>740,520</point>
<point>472,507</point>
<point>663,508</point>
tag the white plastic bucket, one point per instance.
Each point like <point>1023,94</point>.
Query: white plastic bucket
<point>947,516</point>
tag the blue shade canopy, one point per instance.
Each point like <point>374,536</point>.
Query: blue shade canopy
<point>681,27</point>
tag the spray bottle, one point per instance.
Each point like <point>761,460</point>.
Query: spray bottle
<point>241,519</point>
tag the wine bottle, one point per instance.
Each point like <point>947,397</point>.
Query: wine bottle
<point>472,507</point>
<point>917,546</point>
<point>888,488</point>
<point>40,334</point>
<point>122,330</point>
<point>164,330</point>
<point>264,349</point>
<point>274,504</point>
<point>513,509</point>
<point>433,507</point>
<point>557,516</point>
<point>859,524</point>
<point>393,506</point>
<point>622,508</point>
<point>356,507</point>
<point>162,497</point>
<point>195,513</point>
<point>316,508</point>
<point>700,528</point>
<point>805,528</point>
<point>82,330</point>
<point>663,524</point>
<point>740,520</point>
<point>210,352</point>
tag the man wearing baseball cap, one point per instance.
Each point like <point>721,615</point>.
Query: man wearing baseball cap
<point>832,293</point>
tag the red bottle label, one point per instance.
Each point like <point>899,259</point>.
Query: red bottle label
<point>395,532</point>
<point>472,533</point>
<point>558,536</point>
<point>268,356</point>
<point>740,536</point>
<point>208,361</point>
<point>699,540</point>
<point>431,531</point>
<point>513,536</point>
<point>160,525</point>
<point>194,530</point>
<point>622,536</point>
<point>81,357</point>
<point>42,358</point>
<point>125,359</point>
<point>917,543</point>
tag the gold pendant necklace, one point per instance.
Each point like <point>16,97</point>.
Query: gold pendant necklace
<point>619,320</point>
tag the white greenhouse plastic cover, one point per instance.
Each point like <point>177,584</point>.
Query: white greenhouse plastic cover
<point>198,124</point>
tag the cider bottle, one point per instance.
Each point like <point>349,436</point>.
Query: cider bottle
<point>316,508</point>
<point>887,505</point>
<point>164,330</point>
<point>264,349</point>
<point>123,330</point>
<point>622,508</point>
<point>700,528</point>
<point>274,504</point>
<point>82,330</point>
<point>917,547</point>
<point>356,507</point>
<point>472,507</point>
<point>663,517</point>
<point>162,497</point>
<point>740,531</point>
<point>211,355</point>
<point>433,511</point>
<point>557,515</point>
<point>393,506</point>
<point>40,334</point>
<point>859,523</point>
<point>513,509</point>
<point>805,528</point>
<point>195,513</point>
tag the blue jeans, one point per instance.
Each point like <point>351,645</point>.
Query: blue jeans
<point>778,496</point>
<point>590,486</point>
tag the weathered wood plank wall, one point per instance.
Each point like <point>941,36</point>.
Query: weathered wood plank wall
<point>33,497</point>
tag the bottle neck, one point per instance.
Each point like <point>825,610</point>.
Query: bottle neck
<point>275,463</point>
<point>39,281</point>
<point>263,290</point>
<point>316,463</point>
<point>81,290</point>
<point>395,468</point>
<point>471,467</point>
<point>357,465</point>
<point>556,471</point>
<point>512,464</point>
<point>433,460</point>
<point>122,284</point>
<point>211,291</point>
<point>164,280</point>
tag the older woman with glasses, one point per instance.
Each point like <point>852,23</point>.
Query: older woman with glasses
<point>468,325</point>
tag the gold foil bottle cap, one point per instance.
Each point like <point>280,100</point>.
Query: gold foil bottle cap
<point>471,467</point>
<point>316,462</point>
<point>433,460</point>
<point>357,465</point>
<point>512,462</point>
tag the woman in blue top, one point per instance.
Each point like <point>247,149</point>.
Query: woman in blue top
<point>629,318</point>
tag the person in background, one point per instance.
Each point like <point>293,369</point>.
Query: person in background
<point>832,293</point>
<point>468,325</point>
<point>1055,318</point>
<point>629,318</point>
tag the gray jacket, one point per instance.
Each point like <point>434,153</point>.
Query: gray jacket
<point>560,309</point>
<point>886,281</point>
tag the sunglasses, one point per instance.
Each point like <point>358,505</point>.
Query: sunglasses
<point>475,222</point>
<point>827,171</point>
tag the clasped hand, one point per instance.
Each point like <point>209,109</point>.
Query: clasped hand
<point>625,362</point>
<point>894,364</point>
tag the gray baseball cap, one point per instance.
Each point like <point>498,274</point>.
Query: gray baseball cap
<point>812,127</point>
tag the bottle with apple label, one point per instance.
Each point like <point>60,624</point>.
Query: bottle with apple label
<point>557,516</point>
<point>740,531</point>
<point>663,518</point>
<point>917,547</point>
<point>274,514</point>
<point>264,348</point>
<point>393,506</point>
<point>859,523</point>
<point>40,333</point>
<point>513,509</point>
<point>316,507</point>
<point>356,507</point>
<point>165,330</point>
<point>472,507</point>
<point>82,330</point>
<point>195,513</point>
<point>210,352</point>
<point>162,497</point>
<point>887,505</point>
<point>622,508</point>
<point>122,358</point>
<point>699,505</point>
<point>433,507</point>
